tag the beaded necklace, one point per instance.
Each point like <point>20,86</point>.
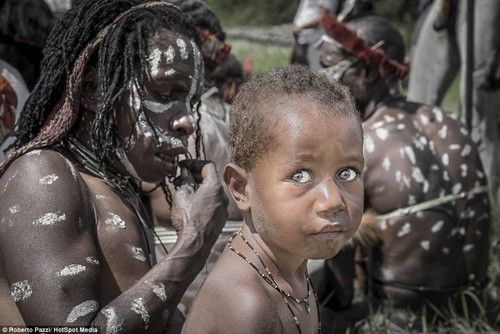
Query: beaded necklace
<point>269,278</point>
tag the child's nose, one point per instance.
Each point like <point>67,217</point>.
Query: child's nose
<point>330,198</point>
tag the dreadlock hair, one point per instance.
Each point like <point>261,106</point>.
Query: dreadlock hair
<point>273,93</point>
<point>119,31</point>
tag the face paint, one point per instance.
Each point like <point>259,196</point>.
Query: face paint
<point>382,133</point>
<point>437,227</point>
<point>181,44</point>
<point>92,260</point>
<point>443,133</point>
<point>48,180</point>
<point>425,244</point>
<point>439,114</point>
<point>21,291</point>
<point>49,219</point>
<point>82,310</point>
<point>113,324</point>
<point>71,270</point>
<point>139,308</point>
<point>369,145</point>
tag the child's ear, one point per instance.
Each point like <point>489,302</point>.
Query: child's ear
<point>89,88</point>
<point>236,179</point>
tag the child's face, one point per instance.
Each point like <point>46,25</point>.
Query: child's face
<point>306,193</point>
<point>173,82</point>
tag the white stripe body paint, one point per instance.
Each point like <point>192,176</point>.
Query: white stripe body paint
<point>82,310</point>
<point>71,270</point>
<point>138,253</point>
<point>50,218</point>
<point>159,291</point>
<point>49,179</point>
<point>115,220</point>
<point>139,308</point>
<point>113,324</point>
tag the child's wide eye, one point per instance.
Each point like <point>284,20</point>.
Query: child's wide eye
<point>348,174</point>
<point>301,176</point>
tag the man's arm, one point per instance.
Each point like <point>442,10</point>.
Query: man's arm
<point>54,265</point>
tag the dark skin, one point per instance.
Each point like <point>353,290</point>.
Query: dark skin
<point>415,153</point>
<point>83,250</point>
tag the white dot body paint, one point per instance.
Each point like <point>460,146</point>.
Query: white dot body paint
<point>425,244</point>
<point>446,159</point>
<point>15,209</point>
<point>405,229</point>
<point>21,290</point>
<point>369,145</point>
<point>115,220</point>
<point>437,227</point>
<point>466,150</point>
<point>159,291</point>
<point>382,133</point>
<point>468,247</point>
<point>138,253</point>
<point>71,270</point>
<point>446,250</point>
<point>386,164</point>
<point>113,323</point>
<point>411,155</point>
<point>82,310</point>
<point>439,114</point>
<point>49,179</point>
<point>50,218</point>
<point>92,260</point>
<point>139,308</point>
<point>443,133</point>
<point>388,274</point>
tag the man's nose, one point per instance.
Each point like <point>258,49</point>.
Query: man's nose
<point>183,125</point>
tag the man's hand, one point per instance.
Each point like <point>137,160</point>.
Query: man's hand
<point>199,209</point>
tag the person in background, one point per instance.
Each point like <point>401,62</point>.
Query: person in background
<point>427,222</point>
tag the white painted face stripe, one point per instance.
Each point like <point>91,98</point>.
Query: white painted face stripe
<point>139,308</point>
<point>196,76</point>
<point>182,48</point>
<point>71,270</point>
<point>50,218</point>
<point>158,108</point>
<point>170,72</point>
<point>82,310</point>
<point>155,59</point>
<point>21,290</point>
<point>34,152</point>
<point>170,53</point>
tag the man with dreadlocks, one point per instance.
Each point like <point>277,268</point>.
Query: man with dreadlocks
<point>113,108</point>
<point>425,187</point>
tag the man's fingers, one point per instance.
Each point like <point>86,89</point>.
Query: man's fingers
<point>200,169</point>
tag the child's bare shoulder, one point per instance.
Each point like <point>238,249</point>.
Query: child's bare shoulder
<point>233,299</point>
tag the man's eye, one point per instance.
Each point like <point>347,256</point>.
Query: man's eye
<point>301,177</point>
<point>348,174</point>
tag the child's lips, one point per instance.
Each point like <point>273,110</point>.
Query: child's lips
<point>330,229</point>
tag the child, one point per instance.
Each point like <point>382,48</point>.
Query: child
<point>296,175</point>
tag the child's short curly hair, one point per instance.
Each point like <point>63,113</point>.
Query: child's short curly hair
<point>250,130</point>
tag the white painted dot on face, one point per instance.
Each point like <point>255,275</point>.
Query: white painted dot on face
<point>424,119</point>
<point>83,309</point>
<point>139,308</point>
<point>49,219</point>
<point>138,253</point>
<point>464,131</point>
<point>71,270</point>
<point>457,188</point>
<point>425,244</point>
<point>405,229</point>
<point>377,125</point>
<point>401,126</point>
<point>464,170</point>
<point>115,220</point>
<point>21,290</point>
<point>49,179</point>
<point>389,119</point>
<point>455,147</point>
<point>113,323</point>
<point>437,227</point>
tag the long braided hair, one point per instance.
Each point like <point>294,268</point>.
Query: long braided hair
<point>111,34</point>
